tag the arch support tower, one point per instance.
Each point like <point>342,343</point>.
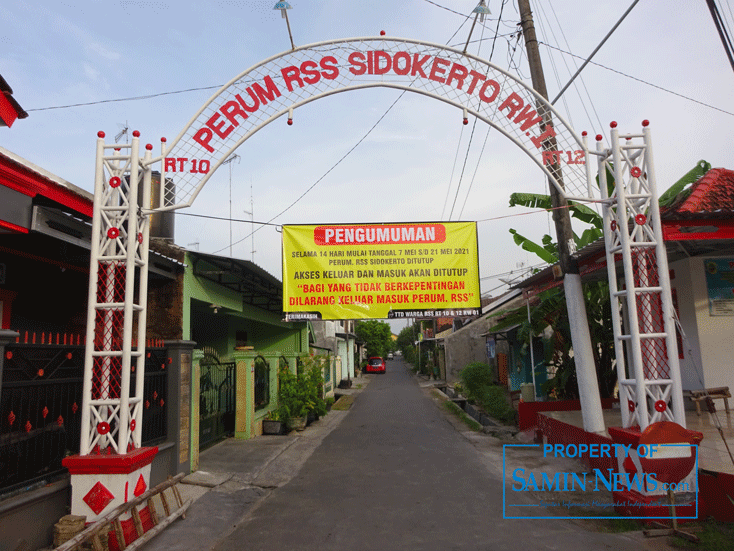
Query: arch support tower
<point>642,311</point>
<point>112,466</point>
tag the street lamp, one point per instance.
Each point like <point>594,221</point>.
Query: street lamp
<point>284,7</point>
<point>481,10</point>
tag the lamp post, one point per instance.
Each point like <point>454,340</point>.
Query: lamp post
<point>481,11</point>
<point>284,7</point>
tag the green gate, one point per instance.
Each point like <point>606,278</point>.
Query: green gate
<point>217,400</point>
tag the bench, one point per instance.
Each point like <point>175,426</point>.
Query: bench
<point>697,396</point>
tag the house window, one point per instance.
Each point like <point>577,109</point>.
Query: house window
<point>240,338</point>
<point>262,383</point>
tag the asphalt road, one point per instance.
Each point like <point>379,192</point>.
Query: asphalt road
<point>396,475</point>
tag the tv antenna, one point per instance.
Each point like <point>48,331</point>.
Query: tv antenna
<point>231,158</point>
<point>123,132</point>
<point>251,212</point>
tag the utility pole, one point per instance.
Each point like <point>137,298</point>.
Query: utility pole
<point>580,336</point>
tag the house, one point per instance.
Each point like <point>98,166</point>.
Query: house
<point>44,279</point>
<point>10,109</point>
<point>226,385</point>
<point>338,337</point>
<point>474,342</point>
<point>232,309</point>
<point>698,230</point>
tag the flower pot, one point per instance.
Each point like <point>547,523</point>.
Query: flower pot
<point>297,423</point>
<point>272,427</point>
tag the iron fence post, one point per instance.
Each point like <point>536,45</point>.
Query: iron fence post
<point>6,337</point>
<point>179,411</point>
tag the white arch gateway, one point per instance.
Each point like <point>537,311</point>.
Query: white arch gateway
<point>276,87</point>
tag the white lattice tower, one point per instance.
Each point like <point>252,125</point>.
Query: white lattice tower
<point>642,312</point>
<point>112,406</point>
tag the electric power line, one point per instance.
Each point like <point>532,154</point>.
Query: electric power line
<point>471,184</point>
<point>640,80</point>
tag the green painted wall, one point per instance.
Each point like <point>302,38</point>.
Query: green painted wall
<point>266,332</point>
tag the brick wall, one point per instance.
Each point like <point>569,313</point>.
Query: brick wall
<point>165,297</point>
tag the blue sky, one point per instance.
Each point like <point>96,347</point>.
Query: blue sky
<point>68,52</point>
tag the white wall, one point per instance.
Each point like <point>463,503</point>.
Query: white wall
<point>710,338</point>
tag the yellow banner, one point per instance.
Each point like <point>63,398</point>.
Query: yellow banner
<point>380,271</point>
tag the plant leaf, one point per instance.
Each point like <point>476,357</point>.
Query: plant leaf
<point>669,197</point>
<point>533,247</point>
<point>530,200</point>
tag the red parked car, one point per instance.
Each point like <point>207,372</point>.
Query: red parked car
<point>375,365</point>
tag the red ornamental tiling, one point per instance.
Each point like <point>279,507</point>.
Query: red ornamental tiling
<point>140,487</point>
<point>162,402</point>
<point>660,406</point>
<point>74,408</point>
<point>45,412</point>
<point>9,355</point>
<point>11,418</point>
<point>98,498</point>
<point>28,427</point>
<point>60,421</point>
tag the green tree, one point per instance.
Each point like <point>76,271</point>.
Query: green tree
<point>406,344</point>
<point>376,335</point>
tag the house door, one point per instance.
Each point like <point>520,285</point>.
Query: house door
<point>216,400</point>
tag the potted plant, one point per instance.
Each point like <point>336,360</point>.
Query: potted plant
<point>292,400</point>
<point>272,424</point>
<point>314,382</point>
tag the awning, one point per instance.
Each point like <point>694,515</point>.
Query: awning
<point>256,286</point>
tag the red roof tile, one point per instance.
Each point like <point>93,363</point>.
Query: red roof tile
<point>712,194</point>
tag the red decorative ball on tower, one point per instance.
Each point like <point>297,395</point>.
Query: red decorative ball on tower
<point>100,134</point>
<point>136,133</point>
